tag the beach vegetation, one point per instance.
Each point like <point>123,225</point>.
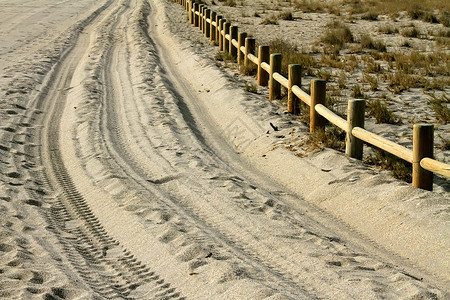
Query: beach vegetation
<point>399,168</point>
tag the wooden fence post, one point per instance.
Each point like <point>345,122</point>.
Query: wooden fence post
<point>294,78</point>
<point>207,26</point>
<point>355,118</point>
<point>226,42</point>
<point>274,86</point>
<point>423,141</point>
<point>195,15</point>
<point>212,29</point>
<point>318,96</point>
<point>249,48</point>
<point>263,56</point>
<point>218,28</point>
<point>200,16</point>
<point>204,19</point>
<point>221,28</point>
<point>241,42</point>
<point>190,7</point>
<point>233,35</point>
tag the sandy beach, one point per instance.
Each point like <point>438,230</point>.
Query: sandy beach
<point>135,165</point>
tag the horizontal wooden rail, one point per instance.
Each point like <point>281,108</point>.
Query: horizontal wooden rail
<point>331,116</point>
<point>252,58</point>
<point>435,166</point>
<point>384,144</point>
<point>265,66</point>
<point>235,43</point>
<point>227,36</point>
<point>301,94</point>
<point>243,50</point>
<point>281,79</point>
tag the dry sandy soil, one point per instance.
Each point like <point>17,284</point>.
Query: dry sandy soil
<point>132,166</point>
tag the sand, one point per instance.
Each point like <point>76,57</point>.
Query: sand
<point>134,167</point>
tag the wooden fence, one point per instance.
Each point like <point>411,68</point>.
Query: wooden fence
<point>242,48</point>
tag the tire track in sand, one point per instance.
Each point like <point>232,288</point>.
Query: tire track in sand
<point>108,268</point>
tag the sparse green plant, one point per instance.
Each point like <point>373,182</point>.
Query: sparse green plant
<point>373,67</point>
<point>417,13</point>
<point>368,43</point>
<point>399,168</point>
<point>309,6</point>
<point>337,35</point>
<point>399,82</point>
<point>249,70</point>
<point>357,92</point>
<point>251,88</point>
<point>342,80</point>
<point>442,41</point>
<point>406,44</point>
<point>350,63</point>
<point>411,32</point>
<point>444,18</point>
<point>387,29</point>
<point>381,113</point>
<point>445,143</point>
<point>270,20</point>
<point>371,15</point>
<point>291,55</point>
<point>371,80</point>
<point>330,137</point>
<point>230,3</point>
<point>324,74</point>
<point>440,106</point>
<point>332,60</point>
<point>224,56</point>
<point>286,15</point>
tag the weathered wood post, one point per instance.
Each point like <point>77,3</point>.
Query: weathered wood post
<point>218,28</point>
<point>226,42</point>
<point>221,29</point>
<point>212,29</point>
<point>318,96</point>
<point>274,86</point>
<point>241,42</point>
<point>249,48</point>
<point>196,18</point>
<point>263,56</point>
<point>190,7</point>
<point>207,26</point>
<point>233,35</point>
<point>294,78</point>
<point>200,16</point>
<point>204,19</point>
<point>355,118</point>
<point>423,141</point>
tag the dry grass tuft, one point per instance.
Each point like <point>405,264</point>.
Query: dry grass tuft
<point>330,137</point>
<point>270,20</point>
<point>399,168</point>
<point>337,35</point>
<point>368,43</point>
<point>381,112</point>
<point>251,88</point>
<point>440,106</point>
<point>291,55</point>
